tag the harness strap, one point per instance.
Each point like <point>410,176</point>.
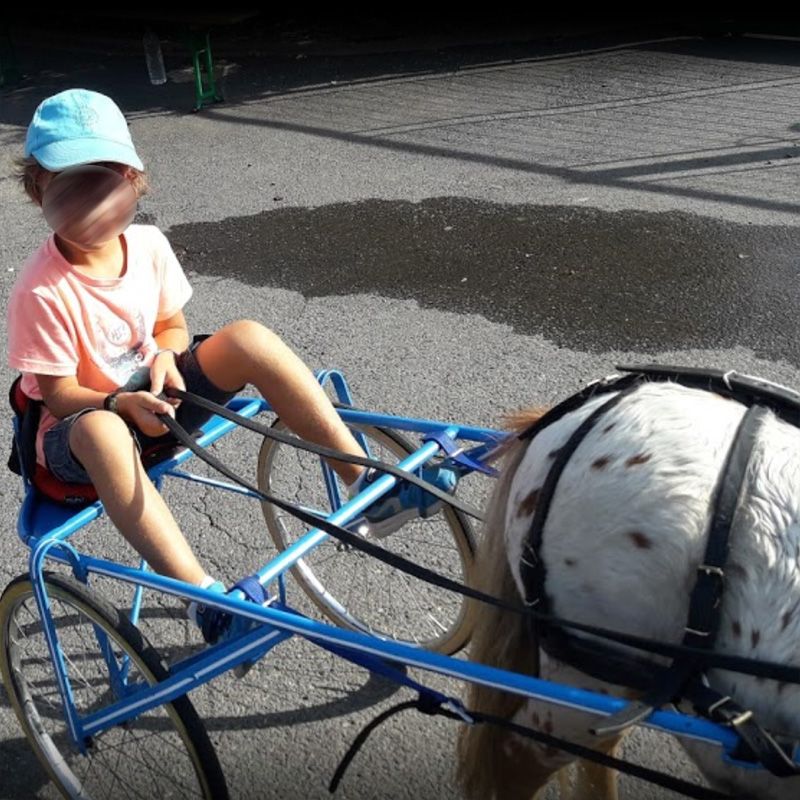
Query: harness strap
<point>612,383</point>
<point>428,704</point>
<point>365,732</point>
<point>755,743</point>
<point>532,567</point>
<point>670,684</point>
<point>746,389</point>
<point>748,666</point>
<point>429,699</point>
<point>329,452</point>
<point>706,599</point>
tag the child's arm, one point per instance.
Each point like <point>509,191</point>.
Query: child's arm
<point>172,336</point>
<point>172,333</point>
<point>65,396</point>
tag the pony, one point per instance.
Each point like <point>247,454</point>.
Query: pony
<point>624,534</point>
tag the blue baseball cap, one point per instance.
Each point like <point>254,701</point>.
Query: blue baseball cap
<point>77,127</point>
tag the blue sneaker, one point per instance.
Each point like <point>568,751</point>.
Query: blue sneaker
<point>405,501</point>
<point>219,626</point>
<point>212,622</point>
<point>216,625</point>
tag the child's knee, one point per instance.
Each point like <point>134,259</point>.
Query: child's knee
<point>247,330</point>
<point>98,430</point>
<point>246,337</point>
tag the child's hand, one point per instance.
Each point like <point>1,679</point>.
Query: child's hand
<point>141,408</point>
<point>164,372</point>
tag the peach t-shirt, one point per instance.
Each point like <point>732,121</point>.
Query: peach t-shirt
<point>63,322</point>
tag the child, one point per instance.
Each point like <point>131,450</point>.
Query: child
<point>96,326</point>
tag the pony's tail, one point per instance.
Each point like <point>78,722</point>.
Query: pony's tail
<point>500,639</point>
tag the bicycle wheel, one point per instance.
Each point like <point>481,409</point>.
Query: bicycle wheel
<point>354,590</point>
<point>164,752</point>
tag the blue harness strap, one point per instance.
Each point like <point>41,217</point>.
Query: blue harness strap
<point>252,589</point>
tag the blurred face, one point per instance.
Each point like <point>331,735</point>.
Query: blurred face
<point>89,205</point>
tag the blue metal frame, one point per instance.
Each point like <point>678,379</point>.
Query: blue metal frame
<point>47,529</point>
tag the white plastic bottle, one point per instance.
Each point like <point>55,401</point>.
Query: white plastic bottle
<point>154,59</point>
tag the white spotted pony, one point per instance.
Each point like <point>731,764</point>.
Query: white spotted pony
<point>624,534</point>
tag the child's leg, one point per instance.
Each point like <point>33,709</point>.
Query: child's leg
<point>247,352</point>
<point>102,442</point>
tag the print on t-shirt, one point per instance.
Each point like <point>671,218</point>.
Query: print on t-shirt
<point>113,347</point>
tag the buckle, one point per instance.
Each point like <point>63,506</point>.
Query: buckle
<point>740,718</point>
<point>721,702</point>
<point>709,570</point>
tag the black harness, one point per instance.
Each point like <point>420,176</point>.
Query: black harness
<point>684,678</point>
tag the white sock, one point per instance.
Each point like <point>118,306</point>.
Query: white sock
<point>191,609</point>
<point>355,487</point>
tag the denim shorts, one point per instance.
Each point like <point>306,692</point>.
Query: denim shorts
<point>65,467</point>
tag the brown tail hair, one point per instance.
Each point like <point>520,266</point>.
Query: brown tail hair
<point>500,638</point>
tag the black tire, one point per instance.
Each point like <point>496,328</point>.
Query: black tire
<point>164,749</point>
<point>364,594</point>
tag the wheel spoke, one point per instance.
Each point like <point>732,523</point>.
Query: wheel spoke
<point>147,757</point>
<point>355,590</point>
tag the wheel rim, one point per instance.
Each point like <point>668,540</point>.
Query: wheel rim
<point>357,591</point>
<point>151,756</point>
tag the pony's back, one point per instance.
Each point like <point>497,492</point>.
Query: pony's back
<point>626,530</point>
